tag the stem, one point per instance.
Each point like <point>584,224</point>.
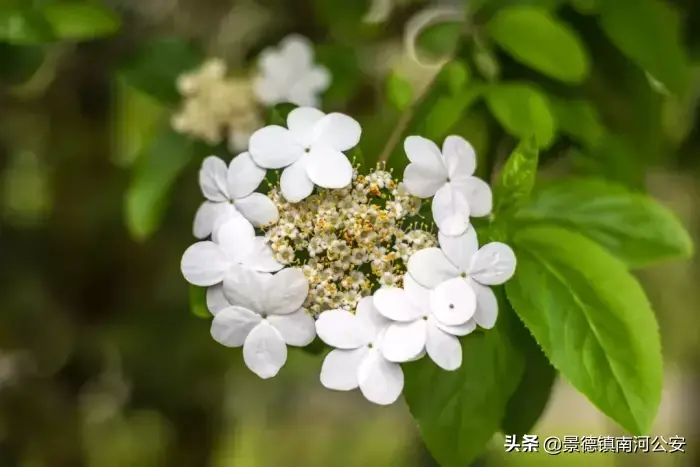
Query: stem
<point>404,121</point>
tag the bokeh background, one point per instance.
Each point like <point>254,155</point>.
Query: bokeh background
<point>103,362</point>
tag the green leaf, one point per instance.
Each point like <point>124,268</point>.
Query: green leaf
<point>447,110</point>
<point>153,176</point>
<point>137,119</point>
<point>198,302</point>
<point>156,65</point>
<point>19,62</point>
<point>517,178</point>
<point>529,401</point>
<point>633,227</point>
<point>650,37</point>
<point>586,7</point>
<point>278,114</point>
<point>438,41</point>
<point>593,321</point>
<point>454,77</point>
<point>23,26</point>
<point>399,91</point>
<point>578,119</point>
<point>537,39</point>
<point>84,20</point>
<point>459,411</point>
<point>523,111</point>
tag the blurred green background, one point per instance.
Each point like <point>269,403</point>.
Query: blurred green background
<point>102,362</point>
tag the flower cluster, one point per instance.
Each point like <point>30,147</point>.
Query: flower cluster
<point>217,106</point>
<point>343,256</point>
<point>349,239</point>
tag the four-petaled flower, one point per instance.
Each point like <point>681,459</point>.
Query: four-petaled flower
<point>448,177</point>
<point>310,149</point>
<point>233,243</point>
<point>458,274</point>
<point>415,329</point>
<point>357,360</point>
<point>230,189</point>
<point>267,316</point>
<point>289,74</point>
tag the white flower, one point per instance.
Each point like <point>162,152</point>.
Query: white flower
<point>266,318</point>
<point>234,242</point>
<point>416,329</point>
<point>357,359</point>
<point>230,189</point>
<point>458,273</point>
<point>447,176</point>
<point>289,74</point>
<point>310,149</point>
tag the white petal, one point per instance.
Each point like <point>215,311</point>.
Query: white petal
<point>298,328</point>
<point>425,153</point>
<point>371,321</point>
<point>302,95</point>
<point>403,342</point>
<point>270,60</point>
<point>444,349</point>
<point>486,305</point>
<point>380,380</point>
<point>337,131</point>
<point>236,236</point>
<point>459,156</point>
<point>318,79</point>
<point>216,300</point>
<point>258,209</point>
<point>261,258</point>
<point>328,168</point>
<point>204,264</point>
<point>422,181</point>
<point>233,324</point>
<point>274,147</point>
<point>207,215</point>
<point>295,183</point>
<point>460,330</point>
<point>450,211</point>
<point>341,329</point>
<point>430,267</point>
<point>212,179</point>
<point>264,351</point>
<point>297,50</point>
<point>302,121</point>
<point>418,295</point>
<point>286,291</point>
<point>493,264</point>
<point>340,368</point>
<point>460,249</point>
<point>453,302</point>
<point>267,90</point>
<point>243,176</point>
<point>394,304</point>
<point>477,193</point>
<point>246,288</point>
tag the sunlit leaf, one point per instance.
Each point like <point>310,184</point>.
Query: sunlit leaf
<point>539,40</point>
<point>593,321</point>
<point>517,178</point>
<point>81,20</point>
<point>399,91</point>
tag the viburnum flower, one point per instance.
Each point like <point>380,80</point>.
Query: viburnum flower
<point>416,330</point>
<point>230,189</point>
<point>357,360</point>
<point>288,74</point>
<point>448,176</point>
<point>457,271</point>
<point>311,149</point>
<point>267,316</point>
<point>233,243</point>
